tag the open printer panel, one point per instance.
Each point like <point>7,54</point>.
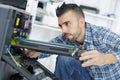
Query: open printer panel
<point>14,24</point>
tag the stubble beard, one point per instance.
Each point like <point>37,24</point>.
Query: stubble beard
<point>72,39</point>
<point>75,36</point>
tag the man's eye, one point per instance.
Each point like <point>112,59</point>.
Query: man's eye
<point>67,23</point>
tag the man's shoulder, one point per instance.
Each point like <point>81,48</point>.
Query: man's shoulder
<point>59,39</point>
<point>97,28</point>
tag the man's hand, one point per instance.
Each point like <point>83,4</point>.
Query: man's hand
<point>96,58</point>
<point>30,53</point>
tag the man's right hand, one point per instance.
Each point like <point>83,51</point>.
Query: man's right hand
<point>30,53</point>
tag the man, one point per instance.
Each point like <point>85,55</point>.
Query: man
<point>102,56</point>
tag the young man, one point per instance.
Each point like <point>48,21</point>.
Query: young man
<point>102,57</point>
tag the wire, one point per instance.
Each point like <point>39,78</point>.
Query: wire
<point>8,49</point>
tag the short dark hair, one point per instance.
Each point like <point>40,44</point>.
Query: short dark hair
<point>67,7</point>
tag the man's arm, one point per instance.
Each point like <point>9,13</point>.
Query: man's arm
<point>96,58</point>
<point>110,55</point>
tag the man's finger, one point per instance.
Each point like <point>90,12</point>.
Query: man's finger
<point>88,63</point>
<point>86,57</point>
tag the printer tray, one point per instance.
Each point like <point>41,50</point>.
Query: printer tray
<point>43,74</point>
<point>51,48</point>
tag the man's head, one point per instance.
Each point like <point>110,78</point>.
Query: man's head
<point>71,20</point>
<point>67,7</point>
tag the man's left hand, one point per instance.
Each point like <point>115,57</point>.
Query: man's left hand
<point>94,57</point>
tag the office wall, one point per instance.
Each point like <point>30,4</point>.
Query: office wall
<point>108,16</point>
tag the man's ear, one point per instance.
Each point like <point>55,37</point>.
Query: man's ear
<point>82,21</point>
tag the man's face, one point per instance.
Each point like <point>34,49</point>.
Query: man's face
<point>70,25</point>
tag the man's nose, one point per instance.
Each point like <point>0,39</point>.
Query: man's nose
<point>64,29</point>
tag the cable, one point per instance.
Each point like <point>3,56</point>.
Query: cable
<point>8,49</point>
